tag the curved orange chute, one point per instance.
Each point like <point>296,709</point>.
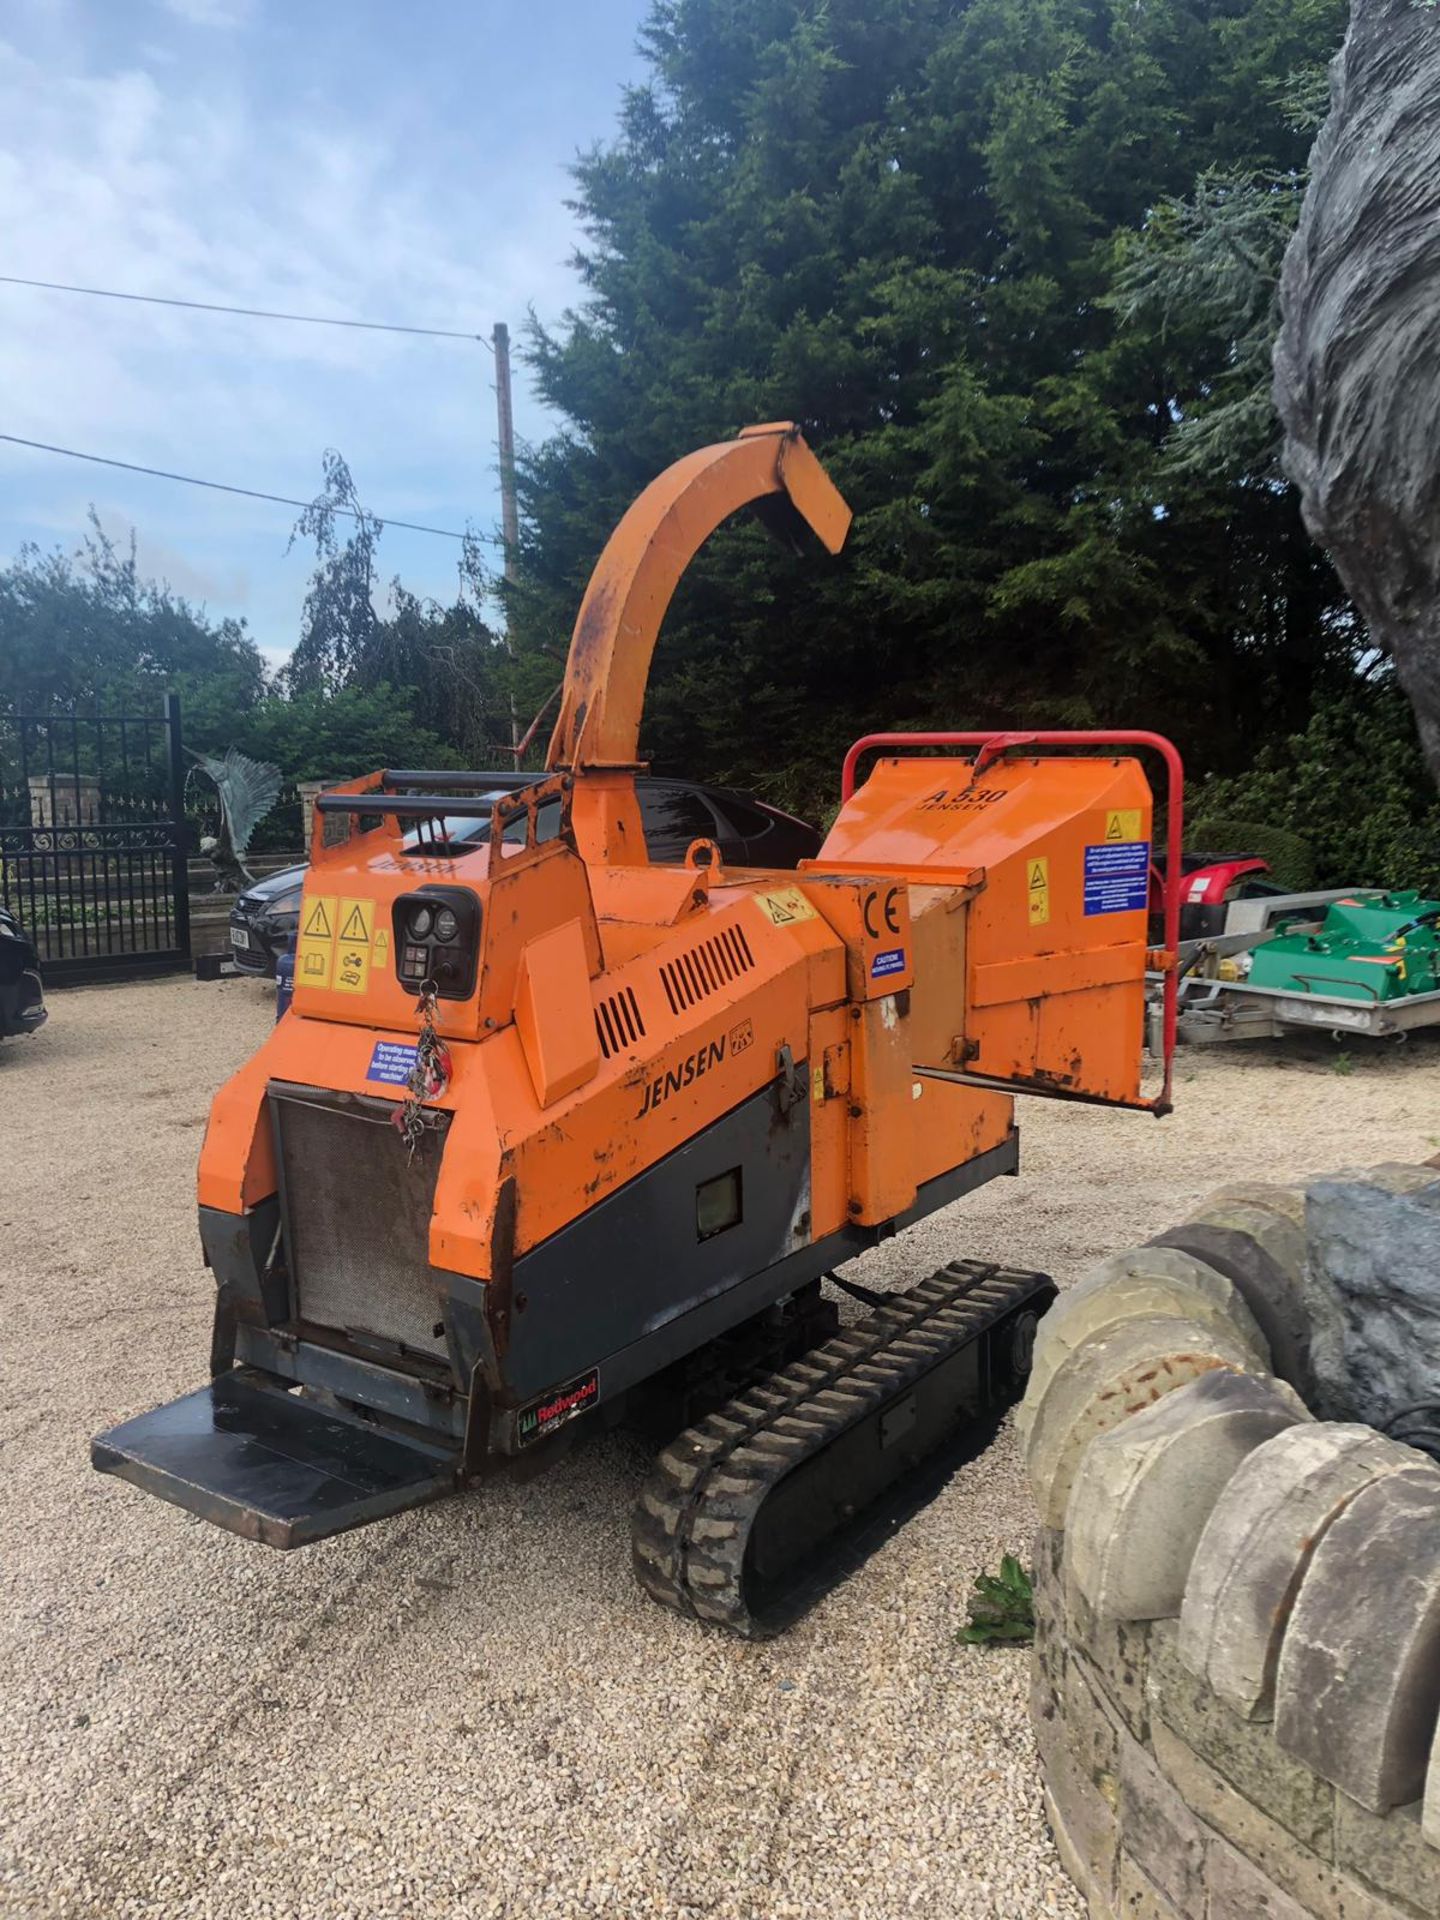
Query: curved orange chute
<point>636,575</point>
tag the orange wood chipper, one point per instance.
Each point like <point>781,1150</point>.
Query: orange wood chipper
<point>551,1134</point>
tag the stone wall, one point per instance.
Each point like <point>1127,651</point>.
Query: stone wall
<point>1236,1678</point>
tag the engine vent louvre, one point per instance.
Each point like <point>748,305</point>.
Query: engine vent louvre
<point>694,976</point>
<point>618,1023</point>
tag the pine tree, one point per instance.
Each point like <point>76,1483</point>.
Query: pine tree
<point>908,226</point>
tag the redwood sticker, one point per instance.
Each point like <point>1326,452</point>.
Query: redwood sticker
<point>545,1415</point>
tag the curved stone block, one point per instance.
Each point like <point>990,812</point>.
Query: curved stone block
<point>1133,1286</point>
<point>1144,1491</point>
<point>1273,1290</point>
<point>1289,1202</point>
<point>1256,1548</point>
<point>1108,1377</point>
<point>1357,1691</point>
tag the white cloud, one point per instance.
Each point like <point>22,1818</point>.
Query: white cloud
<point>196,172</point>
<point>210,13</point>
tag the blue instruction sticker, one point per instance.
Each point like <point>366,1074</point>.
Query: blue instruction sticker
<point>1117,876</point>
<point>391,1063</point>
<point>892,960</point>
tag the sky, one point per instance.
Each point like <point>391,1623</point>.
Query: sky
<point>360,158</point>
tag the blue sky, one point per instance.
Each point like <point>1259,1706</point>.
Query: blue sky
<point>364,158</point>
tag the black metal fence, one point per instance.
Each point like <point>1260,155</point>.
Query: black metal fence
<point>93,840</point>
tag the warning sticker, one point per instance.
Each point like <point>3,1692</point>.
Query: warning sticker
<point>892,960</point>
<point>357,921</point>
<point>391,1063</point>
<point>313,960</point>
<point>319,918</point>
<point>352,967</point>
<point>1117,877</point>
<point>784,906</point>
<point>380,952</point>
<point>1037,890</point>
<point>1122,823</point>
<point>315,949</point>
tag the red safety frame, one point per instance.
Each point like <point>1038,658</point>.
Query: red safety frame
<point>992,745</point>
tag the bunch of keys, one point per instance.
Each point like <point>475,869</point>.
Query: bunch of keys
<point>429,1076</point>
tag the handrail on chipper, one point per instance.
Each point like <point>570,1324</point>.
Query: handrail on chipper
<point>991,744</point>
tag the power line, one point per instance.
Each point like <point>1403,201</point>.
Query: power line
<point>248,493</point>
<point>249,313</point>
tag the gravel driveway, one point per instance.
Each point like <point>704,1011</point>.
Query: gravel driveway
<point>471,1709</point>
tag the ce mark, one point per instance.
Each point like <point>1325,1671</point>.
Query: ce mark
<point>888,907</point>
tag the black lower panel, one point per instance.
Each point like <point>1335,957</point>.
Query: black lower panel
<point>269,1465</point>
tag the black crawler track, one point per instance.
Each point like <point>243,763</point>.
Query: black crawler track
<point>753,1514</point>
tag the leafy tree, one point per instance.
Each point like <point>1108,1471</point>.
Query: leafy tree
<point>444,659</point>
<point>1353,785</point>
<point>320,736</point>
<point>912,227</point>
<point>340,617</point>
<point>87,629</point>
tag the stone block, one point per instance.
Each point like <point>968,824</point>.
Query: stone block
<point>1083,1822</point>
<point>1311,1881</point>
<point>1257,1546</point>
<point>1273,1228</point>
<point>1106,1379</point>
<point>1390,1853</point>
<point>1288,1201</point>
<point>1115,1657</point>
<point>1242,1752</point>
<point>1144,1491</point>
<point>1093,1732</point>
<point>1240,1891</point>
<point>1374,1245</point>
<point>1273,1290</point>
<point>1138,1898</point>
<point>1131,1286</point>
<point>1357,1691</point>
<point>1160,1833</point>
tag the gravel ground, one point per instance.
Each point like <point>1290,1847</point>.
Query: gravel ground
<point>471,1710</point>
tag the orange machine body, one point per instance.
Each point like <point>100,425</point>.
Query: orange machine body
<point>672,1092</point>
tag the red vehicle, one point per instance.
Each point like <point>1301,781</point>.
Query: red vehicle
<point>1211,882</point>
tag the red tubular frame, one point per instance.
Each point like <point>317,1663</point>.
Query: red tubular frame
<point>992,745</point>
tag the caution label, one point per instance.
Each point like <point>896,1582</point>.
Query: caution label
<point>1037,890</point>
<point>1117,878</point>
<point>783,906</point>
<point>380,950</point>
<point>1122,823</point>
<point>352,967</point>
<point>319,921</point>
<point>357,921</point>
<point>315,949</point>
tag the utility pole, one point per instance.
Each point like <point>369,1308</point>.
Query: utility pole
<point>509,513</point>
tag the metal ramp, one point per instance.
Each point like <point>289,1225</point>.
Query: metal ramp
<point>270,1465</point>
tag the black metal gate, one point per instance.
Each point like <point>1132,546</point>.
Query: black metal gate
<point>92,840</point>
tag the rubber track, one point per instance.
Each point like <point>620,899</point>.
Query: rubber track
<point>693,1520</point>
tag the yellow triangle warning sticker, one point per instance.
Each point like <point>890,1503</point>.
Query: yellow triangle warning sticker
<point>1039,877</point>
<point>1122,823</point>
<point>320,918</point>
<point>784,905</point>
<point>357,920</point>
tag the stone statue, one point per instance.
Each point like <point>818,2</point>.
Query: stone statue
<point>1357,363</point>
<point>248,789</point>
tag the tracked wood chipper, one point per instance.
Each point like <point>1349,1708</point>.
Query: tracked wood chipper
<point>551,1134</point>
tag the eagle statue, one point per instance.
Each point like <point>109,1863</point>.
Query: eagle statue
<point>248,789</point>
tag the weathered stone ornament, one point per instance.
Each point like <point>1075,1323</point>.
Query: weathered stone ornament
<point>1357,382</point>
